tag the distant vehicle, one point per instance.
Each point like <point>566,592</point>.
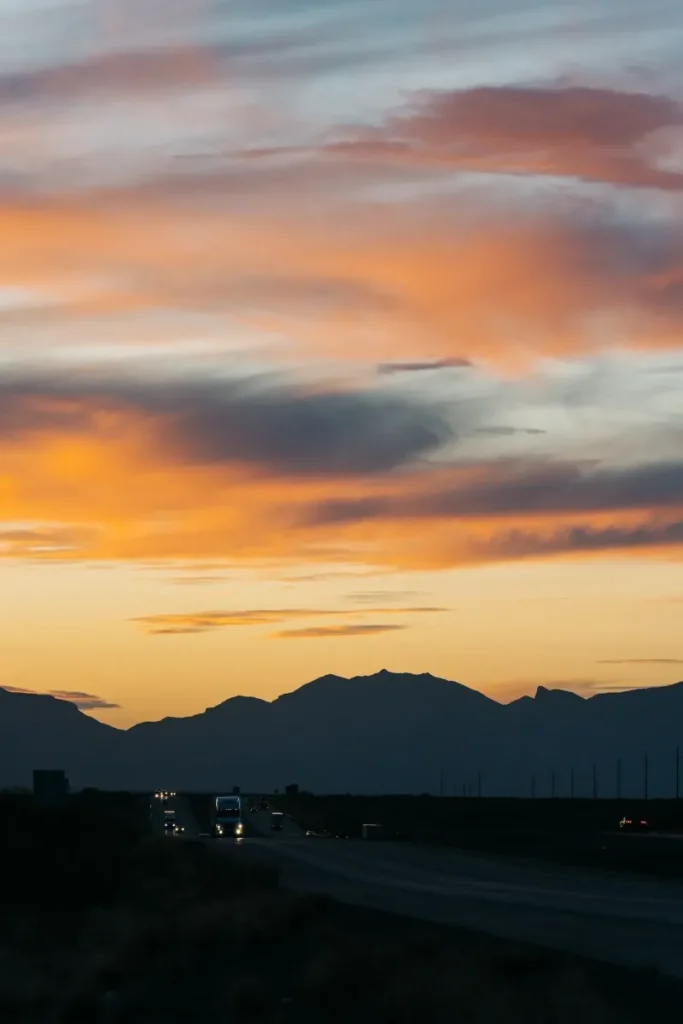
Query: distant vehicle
<point>178,830</point>
<point>227,820</point>
<point>170,825</point>
<point>277,820</point>
<point>634,825</point>
<point>312,834</point>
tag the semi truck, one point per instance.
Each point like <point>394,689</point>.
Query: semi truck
<point>227,820</point>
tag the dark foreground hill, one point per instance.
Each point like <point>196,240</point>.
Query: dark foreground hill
<point>107,924</point>
<point>387,733</point>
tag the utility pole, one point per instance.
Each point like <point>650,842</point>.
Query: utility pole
<point>618,778</point>
<point>645,774</point>
<point>595,782</point>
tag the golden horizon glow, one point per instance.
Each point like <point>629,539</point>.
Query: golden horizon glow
<point>378,355</point>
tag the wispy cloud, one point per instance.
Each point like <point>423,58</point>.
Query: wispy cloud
<point>197,581</point>
<point>83,701</point>
<point>424,367</point>
<point>560,130</point>
<point>640,661</point>
<point>331,632</point>
<point>199,622</point>
<point>522,486</point>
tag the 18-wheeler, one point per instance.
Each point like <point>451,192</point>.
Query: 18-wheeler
<point>227,820</point>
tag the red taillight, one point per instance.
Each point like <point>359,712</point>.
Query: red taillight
<point>643,823</point>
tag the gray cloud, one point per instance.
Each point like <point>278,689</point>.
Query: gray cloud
<point>322,632</point>
<point>83,701</point>
<point>515,488</point>
<point>507,431</point>
<point>422,367</point>
<point>260,421</point>
<point>582,539</point>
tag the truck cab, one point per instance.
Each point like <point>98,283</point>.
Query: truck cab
<point>227,821</point>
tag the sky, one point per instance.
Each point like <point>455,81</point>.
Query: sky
<point>337,337</point>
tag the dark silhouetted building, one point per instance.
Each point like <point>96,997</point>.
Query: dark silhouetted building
<point>50,788</point>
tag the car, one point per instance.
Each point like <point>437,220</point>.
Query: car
<point>178,830</point>
<point>277,819</point>
<point>169,825</point>
<point>634,824</point>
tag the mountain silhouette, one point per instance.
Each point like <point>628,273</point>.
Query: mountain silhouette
<point>383,733</point>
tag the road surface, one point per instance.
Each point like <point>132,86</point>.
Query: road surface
<point>617,918</point>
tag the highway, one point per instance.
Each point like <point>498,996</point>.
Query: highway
<point>612,917</point>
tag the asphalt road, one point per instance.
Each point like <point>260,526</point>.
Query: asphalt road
<point>617,918</point>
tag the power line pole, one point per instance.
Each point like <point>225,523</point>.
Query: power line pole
<point>645,775</point>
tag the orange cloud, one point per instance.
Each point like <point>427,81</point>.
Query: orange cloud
<point>112,490</point>
<point>578,131</point>
<point>408,284</point>
<point>198,622</point>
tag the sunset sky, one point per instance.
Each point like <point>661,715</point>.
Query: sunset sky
<point>338,336</point>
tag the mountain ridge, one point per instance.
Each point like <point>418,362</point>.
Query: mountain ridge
<point>384,732</point>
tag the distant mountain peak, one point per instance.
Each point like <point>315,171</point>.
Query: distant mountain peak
<point>556,693</point>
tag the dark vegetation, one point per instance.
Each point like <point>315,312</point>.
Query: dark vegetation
<point>570,831</point>
<point>202,807</point>
<point>105,922</point>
